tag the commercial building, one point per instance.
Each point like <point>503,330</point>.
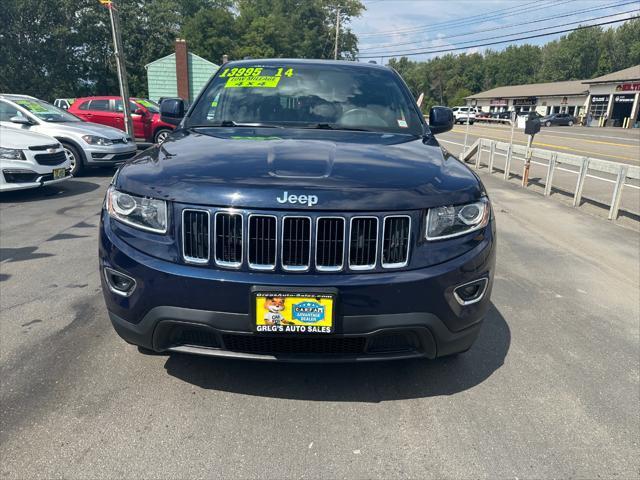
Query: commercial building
<point>609,100</point>
<point>614,99</point>
<point>544,98</point>
<point>180,74</point>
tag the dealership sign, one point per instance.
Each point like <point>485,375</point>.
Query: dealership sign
<point>624,98</point>
<point>628,87</point>
<point>525,101</point>
<point>600,99</point>
<point>498,101</point>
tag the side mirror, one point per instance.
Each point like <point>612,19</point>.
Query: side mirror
<point>139,111</point>
<point>20,120</point>
<point>172,110</point>
<point>440,120</point>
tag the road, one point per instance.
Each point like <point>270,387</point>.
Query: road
<point>612,144</point>
<point>550,390</point>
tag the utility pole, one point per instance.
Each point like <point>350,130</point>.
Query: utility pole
<point>335,53</point>
<point>120,64</point>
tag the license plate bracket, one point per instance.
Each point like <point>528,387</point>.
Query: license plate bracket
<point>293,311</point>
<point>58,173</point>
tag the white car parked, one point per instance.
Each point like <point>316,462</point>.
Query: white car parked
<point>464,114</point>
<point>29,160</point>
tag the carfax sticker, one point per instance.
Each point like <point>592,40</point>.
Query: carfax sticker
<point>293,313</point>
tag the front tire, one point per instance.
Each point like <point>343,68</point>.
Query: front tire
<point>547,124</point>
<point>161,135</point>
<point>76,158</point>
<point>571,123</point>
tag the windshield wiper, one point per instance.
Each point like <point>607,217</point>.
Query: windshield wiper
<point>335,126</point>
<point>231,123</point>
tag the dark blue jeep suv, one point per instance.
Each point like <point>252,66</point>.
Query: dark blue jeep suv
<point>302,210</point>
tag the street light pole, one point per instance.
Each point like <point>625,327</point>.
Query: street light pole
<point>335,53</point>
<point>120,65</point>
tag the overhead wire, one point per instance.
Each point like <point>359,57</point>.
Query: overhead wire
<point>408,54</point>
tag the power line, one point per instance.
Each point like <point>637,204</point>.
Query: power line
<point>499,42</point>
<point>520,33</point>
<point>470,20</point>
<point>578,12</point>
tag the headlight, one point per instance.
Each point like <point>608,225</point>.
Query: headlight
<point>144,213</point>
<point>11,154</point>
<point>453,221</point>
<point>95,140</point>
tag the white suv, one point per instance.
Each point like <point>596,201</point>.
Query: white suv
<point>29,160</point>
<point>464,114</point>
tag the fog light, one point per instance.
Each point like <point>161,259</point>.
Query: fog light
<point>119,283</point>
<point>472,292</point>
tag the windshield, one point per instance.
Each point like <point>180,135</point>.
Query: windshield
<point>308,96</point>
<point>47,112</point>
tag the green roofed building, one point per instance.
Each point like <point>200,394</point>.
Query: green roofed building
<point>180,74</point>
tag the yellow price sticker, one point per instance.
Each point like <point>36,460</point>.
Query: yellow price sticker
<point>252,82</point>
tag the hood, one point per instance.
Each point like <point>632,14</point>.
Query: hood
<point>21,139</point>
<point>251,168</point>
<point>84,128</point>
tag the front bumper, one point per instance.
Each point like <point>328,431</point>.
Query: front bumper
<point>391,315</point>
<point>109,155</point>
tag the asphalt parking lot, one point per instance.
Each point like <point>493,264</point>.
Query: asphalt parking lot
<point>551,388</point>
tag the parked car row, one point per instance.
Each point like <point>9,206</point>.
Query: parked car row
<point>86,144</point>
<point>547,121</point>
<point>109,111</point>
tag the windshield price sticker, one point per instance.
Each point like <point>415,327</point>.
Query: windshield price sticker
<point>32,106</point>
<point>252,77</point>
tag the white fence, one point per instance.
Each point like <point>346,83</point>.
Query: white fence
<point>620,174</point>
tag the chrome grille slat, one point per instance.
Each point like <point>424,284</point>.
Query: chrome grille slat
<point>263,234</point>
<point>330,232</point>
<point>228,242</point>
<point>195,236</point>
<point>296,243</point>
<point>363,243</point>
<point>396,235</point>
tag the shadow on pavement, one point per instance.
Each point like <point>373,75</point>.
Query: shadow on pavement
<point>353,382</point>
<point>67,188</point>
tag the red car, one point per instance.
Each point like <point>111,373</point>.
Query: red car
<point>107,110</point>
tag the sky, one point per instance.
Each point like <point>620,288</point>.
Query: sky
<point>394,27</point>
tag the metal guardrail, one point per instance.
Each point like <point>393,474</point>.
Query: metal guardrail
<point>621,171</point>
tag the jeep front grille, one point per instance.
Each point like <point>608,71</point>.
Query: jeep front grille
<point>296,243</point>
<point>228,244</point>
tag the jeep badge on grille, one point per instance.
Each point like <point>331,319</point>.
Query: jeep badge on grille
<point>310,200</point>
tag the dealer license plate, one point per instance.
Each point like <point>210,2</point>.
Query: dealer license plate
<point>58,173</point>
<point>303,313</point>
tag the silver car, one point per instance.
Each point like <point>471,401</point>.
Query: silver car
<point>87,144</point>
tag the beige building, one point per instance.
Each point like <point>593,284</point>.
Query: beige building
<point>544,98</point>
<point>611,100</point>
